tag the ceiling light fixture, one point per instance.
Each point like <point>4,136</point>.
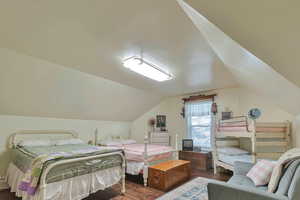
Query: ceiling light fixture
<point>147,69</point>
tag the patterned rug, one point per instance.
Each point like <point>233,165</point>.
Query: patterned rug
<point>192,190</point>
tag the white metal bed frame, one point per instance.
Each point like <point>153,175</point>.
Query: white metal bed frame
<point>73,134</point>
<point>146,156</point>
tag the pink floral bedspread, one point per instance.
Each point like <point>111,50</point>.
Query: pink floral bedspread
<point>135,152</point>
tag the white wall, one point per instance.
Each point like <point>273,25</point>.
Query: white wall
<point>238,100</point>
<point>171,107</point>
<point>140,126</point>
<point>85,128</point>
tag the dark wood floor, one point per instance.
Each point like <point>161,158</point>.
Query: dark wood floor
<point>134,189</point>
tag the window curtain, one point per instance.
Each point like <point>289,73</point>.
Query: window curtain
<point>188,118</point>
<point>196,108</point>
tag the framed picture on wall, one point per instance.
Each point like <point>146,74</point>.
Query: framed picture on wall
<point>161,122</point>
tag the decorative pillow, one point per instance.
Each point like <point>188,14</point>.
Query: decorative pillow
<point>232,151</point>
<point>69,141</point>
<point>36,142</point>
<point>261,172</point>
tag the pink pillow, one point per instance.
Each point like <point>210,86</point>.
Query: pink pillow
<point>261,172</point>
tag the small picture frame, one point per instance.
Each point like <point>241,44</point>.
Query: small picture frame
<point>161,122</point>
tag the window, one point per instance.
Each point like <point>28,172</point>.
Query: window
<point>198,117</point>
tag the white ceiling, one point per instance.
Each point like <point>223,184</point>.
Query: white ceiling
<point>34,87</point>
<point>249,71</point>
<point>94,36</point>
<point>269,29</point>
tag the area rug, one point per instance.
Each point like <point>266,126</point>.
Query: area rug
<point>192,190</point>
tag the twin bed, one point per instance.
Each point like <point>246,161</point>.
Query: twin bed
<point>140,156</point>
<point>56,165</point>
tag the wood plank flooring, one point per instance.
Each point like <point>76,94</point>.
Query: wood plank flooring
<point>134,189</point>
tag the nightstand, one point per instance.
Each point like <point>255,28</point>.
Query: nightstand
<point>199,160</point>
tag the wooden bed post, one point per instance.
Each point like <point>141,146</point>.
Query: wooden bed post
<point>176,147</point>
<point>288,135</point>
<point>146,164</point>
<point>253,140</point>
<point>43,192</point>
<point>96,137</point>
<point>123,190</point>
<point>213,140</point>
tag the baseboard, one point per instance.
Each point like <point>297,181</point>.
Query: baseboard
<point>3,185</point>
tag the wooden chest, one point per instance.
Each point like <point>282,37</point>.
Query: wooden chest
<point>169,174</point>
<point>199,160</point>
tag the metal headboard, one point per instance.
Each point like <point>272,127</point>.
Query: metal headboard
<point>13,141</point>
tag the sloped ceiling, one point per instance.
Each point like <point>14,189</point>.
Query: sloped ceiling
<point>249,70</point>
<point>95,36</point>
<point>63,58</point>
<point>269,29</point>
<point>34,87</point>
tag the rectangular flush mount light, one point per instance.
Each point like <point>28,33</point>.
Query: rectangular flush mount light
<point>147,69</point>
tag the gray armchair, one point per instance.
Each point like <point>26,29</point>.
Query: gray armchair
<point>240,187</point>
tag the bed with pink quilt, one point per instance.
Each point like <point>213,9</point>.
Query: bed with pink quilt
<point>140,156</point>
<point>135,152</point>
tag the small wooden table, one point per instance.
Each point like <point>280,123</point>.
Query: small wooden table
<point>199,160</point>
<point>166,175</point>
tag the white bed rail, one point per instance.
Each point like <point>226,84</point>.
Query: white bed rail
<point>62,162</point>
<point>146,162</point>
<point>146,156</point>
<point>13,141</point>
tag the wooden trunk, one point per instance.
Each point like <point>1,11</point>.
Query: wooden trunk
<point>169,174</point>
<point>199,160</point>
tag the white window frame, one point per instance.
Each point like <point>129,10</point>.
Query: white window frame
<point>189,122</point>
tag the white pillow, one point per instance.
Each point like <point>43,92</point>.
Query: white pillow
<point>110,143</point>
<point>232,151</point>
<point>261,172</point>
<point>36,142</point>
<point>69,141</point>
<point>128,141</point>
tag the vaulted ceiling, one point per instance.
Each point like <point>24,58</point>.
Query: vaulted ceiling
<point>249,70</point>
<point>85,42</point>
<point>269,29</point>
<point>34,87</point>
<point>95,36</point>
